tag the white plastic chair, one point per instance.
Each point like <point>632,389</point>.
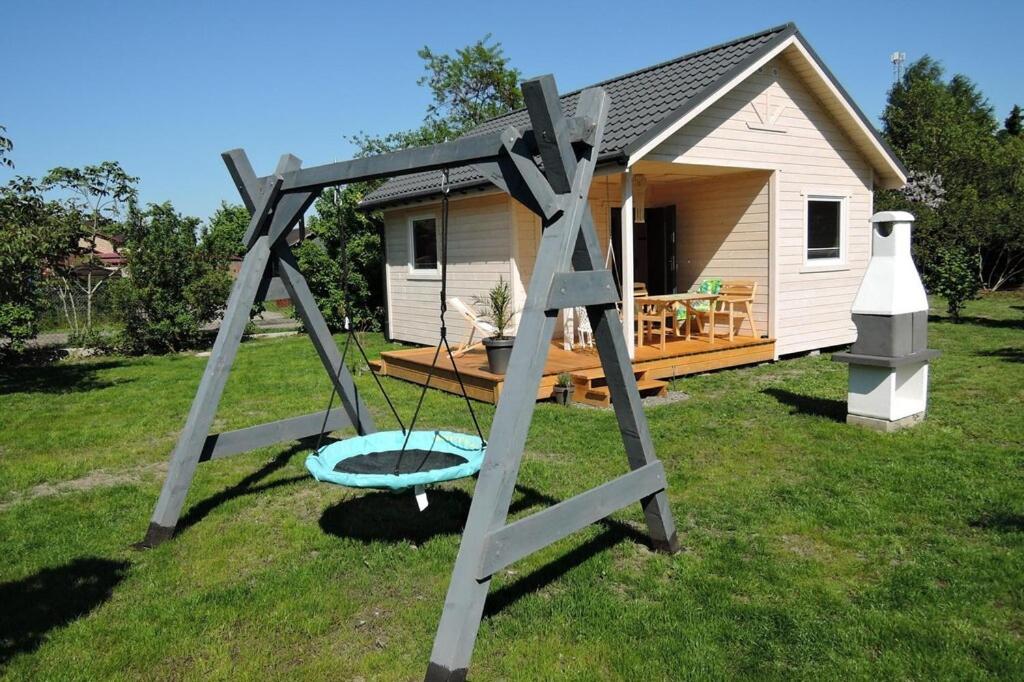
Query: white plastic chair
<point>485,328</point>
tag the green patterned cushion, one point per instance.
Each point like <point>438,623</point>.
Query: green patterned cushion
<point>708,286</point>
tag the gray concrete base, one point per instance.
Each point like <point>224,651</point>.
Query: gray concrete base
<point>884,425</point>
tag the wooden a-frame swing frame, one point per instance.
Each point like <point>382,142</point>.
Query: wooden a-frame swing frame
<point>569,271</point>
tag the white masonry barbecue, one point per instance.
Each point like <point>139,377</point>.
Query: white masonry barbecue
<point>889,360</point>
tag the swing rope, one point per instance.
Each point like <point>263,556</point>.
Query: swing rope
<point>445,189</point>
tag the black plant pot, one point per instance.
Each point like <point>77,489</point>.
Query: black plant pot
<point>499,350</point>
<point>563,395</point>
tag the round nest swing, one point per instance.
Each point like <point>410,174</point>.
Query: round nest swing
<point>378,460</point>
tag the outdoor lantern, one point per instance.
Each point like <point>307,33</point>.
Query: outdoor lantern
<point>889,360</point>
<point>639,198</point>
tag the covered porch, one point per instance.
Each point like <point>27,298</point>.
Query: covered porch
<point>667,227</point>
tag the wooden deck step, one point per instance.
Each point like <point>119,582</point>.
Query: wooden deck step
<point>594,377</point>
<point>600,396</point>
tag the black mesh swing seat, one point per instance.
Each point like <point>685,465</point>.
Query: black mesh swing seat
<point>405,458</point>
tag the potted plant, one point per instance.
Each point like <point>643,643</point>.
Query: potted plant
<point>564,389</point>
<point>496,308</point>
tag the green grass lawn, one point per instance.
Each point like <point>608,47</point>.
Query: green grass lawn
<point>811,549</point>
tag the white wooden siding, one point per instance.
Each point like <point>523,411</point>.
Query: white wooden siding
<point>812,155</point>
<point>722,232</point>
<point>479,253</point>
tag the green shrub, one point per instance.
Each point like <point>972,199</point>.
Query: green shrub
<point>172,287</point>
<point>954,276</point>
<point>323,274</point>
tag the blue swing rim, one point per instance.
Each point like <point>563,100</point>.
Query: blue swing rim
<point>471,448</point>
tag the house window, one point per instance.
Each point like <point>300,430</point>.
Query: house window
<point>825,230</point>
<point>423,245</point>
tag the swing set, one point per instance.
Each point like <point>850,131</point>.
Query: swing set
<point>568,272</point>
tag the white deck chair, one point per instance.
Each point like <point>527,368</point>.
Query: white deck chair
<point>476,324</point>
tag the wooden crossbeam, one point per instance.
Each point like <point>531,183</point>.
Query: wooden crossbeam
<point>228,443</point>
<point>464,151</point>
<point>521,538</point>
<point>584,288</point>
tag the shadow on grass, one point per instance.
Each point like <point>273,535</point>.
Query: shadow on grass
<point>250,485</point>
<point>57,378</point>
<point>383,516</point>
<point>392,517</point>
<point>989,322</point>
<point>53,598</point>
<point>1001,521</point>
<point>804,404</point>
<point>614,532</point>
<point>1006,354</point>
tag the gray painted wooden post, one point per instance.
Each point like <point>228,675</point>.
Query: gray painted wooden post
<point>487,542</point>
<point>186,454</point>
<point>629,410</point>
<point>316,327</point>
<point>464,603</point>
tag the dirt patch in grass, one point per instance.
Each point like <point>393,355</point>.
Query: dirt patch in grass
<point>100,478</point>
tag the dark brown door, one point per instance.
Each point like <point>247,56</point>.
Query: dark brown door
<point>654,248</point>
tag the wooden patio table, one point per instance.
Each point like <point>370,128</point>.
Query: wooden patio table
<point>667,302</point>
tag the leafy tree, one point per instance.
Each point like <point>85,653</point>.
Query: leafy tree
<point>946,132</point>
<point>222,237</point>
<point>323,274</point>
<point>467,88</point>
<point>471,86</point>
<point>100,192</point>
<point>173,287</point>
<point>36,236</point>
<point>1014,123</point>
<point>6,147</point>
<point>337,212</point>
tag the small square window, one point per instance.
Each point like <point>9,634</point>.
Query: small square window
<point>424,244</point>
<point>824,229</point>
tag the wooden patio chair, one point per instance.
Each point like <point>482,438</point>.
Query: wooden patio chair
<point>652,320</point>
<point>476,324</point>
<point>735,302</point>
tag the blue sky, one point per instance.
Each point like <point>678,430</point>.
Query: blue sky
<point>165,87</point>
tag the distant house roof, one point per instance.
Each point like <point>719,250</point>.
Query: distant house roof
<point>644,105</point>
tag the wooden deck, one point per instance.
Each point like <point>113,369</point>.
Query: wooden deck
<point>651,367</point>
